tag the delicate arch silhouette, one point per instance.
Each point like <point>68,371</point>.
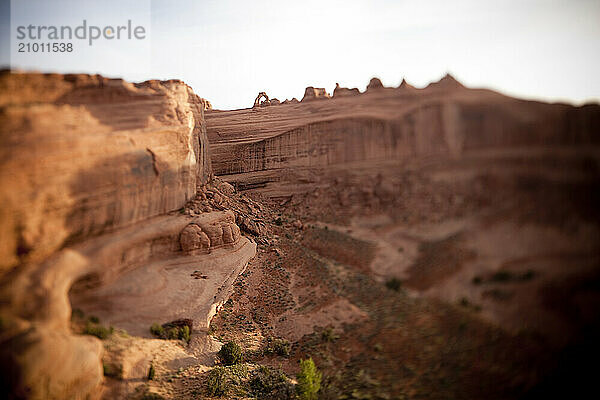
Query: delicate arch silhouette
<point>259,97</point>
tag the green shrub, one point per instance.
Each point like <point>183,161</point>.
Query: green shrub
<point>173,333</point>
<point>269,383</point>
<point>218,382</point>
<point>309,380</point>
<point>99,331</point>
<point>94,319</point>
<point>229,380</point>
<point>113,370</point>
<point>477,280</point>
<point>157,330</point>
<point>281,347</point>
<point>328,335</point>
<point>184,334</point>
<point>151,372</point>
<point>230,353</point>
<point>394,284</point>
<point>179,329</point>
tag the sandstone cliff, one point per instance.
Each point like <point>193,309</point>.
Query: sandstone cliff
<point>92,173</point>
<point>90,154</point>
<point>444,119</point>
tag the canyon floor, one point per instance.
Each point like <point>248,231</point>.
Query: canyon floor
<point>497,259</point>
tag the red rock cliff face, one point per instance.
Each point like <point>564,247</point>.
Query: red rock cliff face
<point>81,156</point>
<point>392,124</point>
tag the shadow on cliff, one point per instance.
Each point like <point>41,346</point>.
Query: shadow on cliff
<point>121,190</point>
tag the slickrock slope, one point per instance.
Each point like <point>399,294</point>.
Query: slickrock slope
<point>93,175</point>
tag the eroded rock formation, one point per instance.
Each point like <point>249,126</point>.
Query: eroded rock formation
<point>263,103</point>
<point>447,82</point>
<point>91,154</point>
<point>210,235</point>
<point>312,93</point>
<point>206,104</point>
<point>404,85</point>
<point>90,170</point>
<point>342,91</point>
<point>374,84</point>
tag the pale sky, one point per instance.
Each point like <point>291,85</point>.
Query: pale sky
<point>229,50</point>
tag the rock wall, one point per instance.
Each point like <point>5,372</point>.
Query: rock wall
<point>436,128</point>
<point>82,160</point>
<point>82,154</point>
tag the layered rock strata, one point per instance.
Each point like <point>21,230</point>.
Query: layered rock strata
<point>445,119</point>
<point>93,172</point>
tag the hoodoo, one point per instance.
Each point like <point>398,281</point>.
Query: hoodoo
<point>311,93</point>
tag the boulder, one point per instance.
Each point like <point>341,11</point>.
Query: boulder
<point>192,238</point>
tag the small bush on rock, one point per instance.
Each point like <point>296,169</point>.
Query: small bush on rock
<point>157,330</point>
<point>113,370</point>
<point>173,334</point>
<point>184,333</point>
<point>178,329</point>
<point>101,332</point>
<point>218,382</point>
<point>281,347</point>
<point>269,383</point>
<point>151,372</point>
<point>222,381</point>
<point>230,353</point>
